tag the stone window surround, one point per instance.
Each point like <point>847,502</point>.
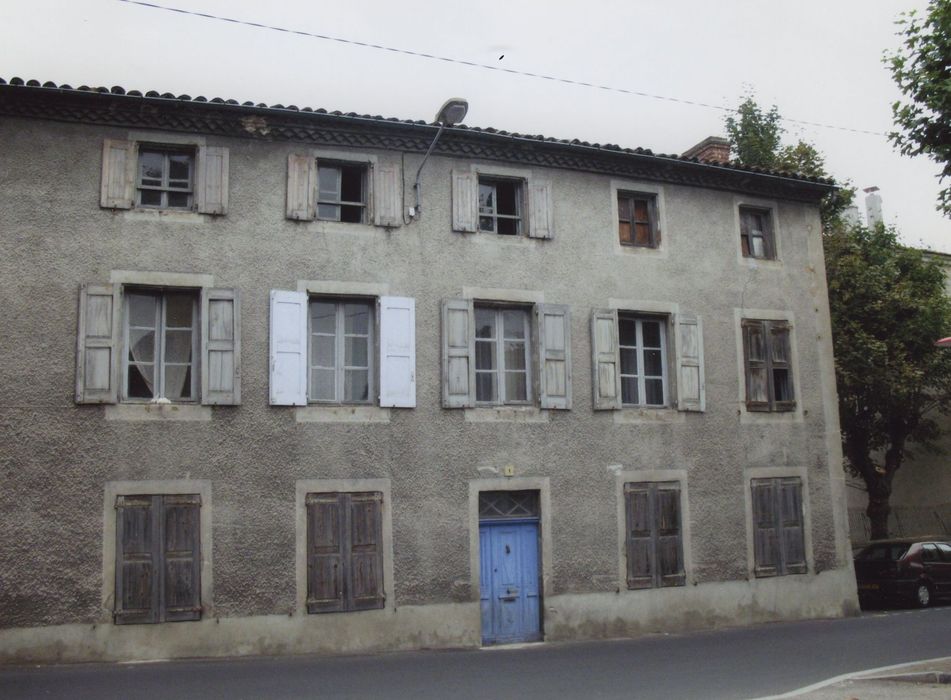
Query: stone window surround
<point>751,473</point>
<point>767,417</point>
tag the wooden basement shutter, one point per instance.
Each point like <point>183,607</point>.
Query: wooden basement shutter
<point>670,557</point>
<point>605,361</point>
<point>344,552</point>
<point>119,160</point>
<point>96,375</point>
<point>640,560</point>
<point>211,187</point>
<point>158,558</point>
<point>765,537</point>
<point>458,353</point>
<point>654,535</point>
<point>221,347</point>
<point>554,353</point>
<point>465,201</point>
<point>790,512</point>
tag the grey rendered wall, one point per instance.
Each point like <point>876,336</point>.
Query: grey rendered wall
<point>57,457</point>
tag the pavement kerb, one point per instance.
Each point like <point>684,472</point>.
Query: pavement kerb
<point>898,672</point>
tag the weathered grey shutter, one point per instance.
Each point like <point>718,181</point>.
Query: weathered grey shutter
<point>212,180</point>
<point>691,393</point>
<point>288,361</point>
<point>117,190</point>
<point>220,347</point>
<point>542,222</point>
<point>365,580</point>
<point>654,219</point>
<point>181,555</point>
<point>640,564</point>
<point>458,353</point>
<point>387,195</point>
<point>397,352</point>
<point>605,360</point>
<point>745,242</point>
<point>325,555</point>
<point>465,201</point>
<point>765,538</point>
<point>554,355</point>
<point>96,375</point>
<point>137,559</point>
<point>301,187</point>
<point>757,373</point>
<point>670,557</point>
<point>790,510</point>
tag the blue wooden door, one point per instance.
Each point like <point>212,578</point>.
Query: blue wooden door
<point>509,581</point>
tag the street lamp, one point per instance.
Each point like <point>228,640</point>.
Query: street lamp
<point>451,113</point>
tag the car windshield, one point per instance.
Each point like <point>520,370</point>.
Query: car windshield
<point>883,552</point>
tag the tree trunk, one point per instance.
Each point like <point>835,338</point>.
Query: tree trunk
<point>878,510</point>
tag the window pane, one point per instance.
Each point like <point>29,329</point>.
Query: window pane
<point>327,184</point>
<point>141,310</point>
<point>485,323</point>
<point>150,198</point>
<point>178,382</point>
<point>514,324</point>
<point>141,381</point>
<point>322,317</point>
<point>486,224</point>
<point>507,227</point>
<point>178,200</point>
<point>642,234</point>
<point>507,198</point>
<point>178,346</point>
<point>514,355</point>
<point>623,208</point>
<point>355,352</point>
<point>179,167</point>
<point>356,319</point>
<point>782,388</point>
<point>322,385</point>
<point>485,355</point>
<point>628,361</point>
<point>654,388</point>
<point>629,390</point>
<point>178,310</point>
<point>624,232</point>
<point>356,385</point>
<point>328,212</point>
<point>351,214</point>
<point>516,386</point>
<point>351,183</point>
<point>150,167</point>
<point>651,331</point>
<point>322,350</point>
<point>758,387</point>
<point>640,210</point>
<point>141,345</point>
<point>486,199</point>
<point>653,367</point>
<point>628,331</point>
<point>758,249</point>
<point>485,386</point>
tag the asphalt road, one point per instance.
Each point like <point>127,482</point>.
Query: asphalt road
<point>746,662</point>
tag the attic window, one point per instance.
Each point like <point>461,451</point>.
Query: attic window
<point>500,206</point>
<point>341,192</point>
<point>165,178</point>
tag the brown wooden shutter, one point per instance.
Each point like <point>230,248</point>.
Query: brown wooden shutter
<point>211,183</point>
<point>181,553</point>
<point>790,511</point>
<point>670,558</point>
<point>605,360</point>
<point>640,564</point>
<point>96,375</point>
<point>765,538</point>
<point>220,347</point>
<point>119,162</point>
<point>325,556</point>
<point>365,571</point>
<point>745,244</point>
<point>137,559</point>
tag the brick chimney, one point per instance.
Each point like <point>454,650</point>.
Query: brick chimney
<point>713,149</point>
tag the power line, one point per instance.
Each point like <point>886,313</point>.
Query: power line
<point>484,66</point>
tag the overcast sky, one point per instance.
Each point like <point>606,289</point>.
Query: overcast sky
<point>816,60</point>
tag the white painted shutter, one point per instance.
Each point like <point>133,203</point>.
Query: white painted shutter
<point>465,201</point>
<point>212,180</point>
<point>119,158</point>
<point>554,355</point>
<point>220,347</point>
<point>398,352</point>
<point>605,361</point>
<point>288,348</point>
<point>691,395</point>
<point>387,195</point>
<point>541,224</point>
<point>96,375</point>
<point>301,187</point>
<point>458,353</point>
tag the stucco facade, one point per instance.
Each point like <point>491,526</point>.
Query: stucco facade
<point>64,463</point>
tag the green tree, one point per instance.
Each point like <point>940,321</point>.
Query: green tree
<point>922,69</point>
<point>888,306</point>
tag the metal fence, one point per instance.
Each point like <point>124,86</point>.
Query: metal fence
<point>903,521</point>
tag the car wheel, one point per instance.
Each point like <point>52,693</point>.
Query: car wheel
<point>923,595</point>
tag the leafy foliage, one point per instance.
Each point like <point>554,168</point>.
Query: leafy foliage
<point>922,69</point>
<point>888,306</point>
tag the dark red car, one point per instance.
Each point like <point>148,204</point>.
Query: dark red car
<point>913,570</point>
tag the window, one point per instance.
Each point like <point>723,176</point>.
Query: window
<point>637,220</point>
<point>654,540</point>
<point>756,233</point>
<point>769,383</point>
<point>160,329</point>
<point>643,351</point>
<point>158,344</point>
<point>341,192</point>
<point>778,537</point>
<point>158,558</point>
<point>344,551</point>
<point>190,177</point>
<point>341,351</point>
<point>165,178</point>
<point>489,353</point>
<point>502,355</point>
<point>500,206</point>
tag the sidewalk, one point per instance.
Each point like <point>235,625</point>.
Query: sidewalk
<point>928,680</point>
